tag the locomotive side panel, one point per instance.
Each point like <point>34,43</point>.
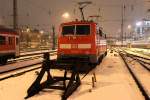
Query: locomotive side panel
<point>101,43</point>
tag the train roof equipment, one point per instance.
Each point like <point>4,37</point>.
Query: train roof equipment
<point>82,5</point>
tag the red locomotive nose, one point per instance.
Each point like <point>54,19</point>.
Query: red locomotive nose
<point>80,40</point>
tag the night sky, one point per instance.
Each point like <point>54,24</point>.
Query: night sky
<point>42,14</point>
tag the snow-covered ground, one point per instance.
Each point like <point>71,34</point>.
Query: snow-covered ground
<point>140,52</point>
<point>113,83</point>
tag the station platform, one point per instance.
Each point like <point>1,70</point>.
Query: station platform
<point>113,82</point>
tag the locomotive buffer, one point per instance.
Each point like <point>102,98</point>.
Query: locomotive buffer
<point>73,84</point>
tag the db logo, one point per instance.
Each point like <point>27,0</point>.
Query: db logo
<point>74,46</point>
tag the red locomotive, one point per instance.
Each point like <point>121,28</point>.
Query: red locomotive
<point>9,44</point>
<point>81,40</point>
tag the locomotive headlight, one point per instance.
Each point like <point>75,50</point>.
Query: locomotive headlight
<point>84,46</point>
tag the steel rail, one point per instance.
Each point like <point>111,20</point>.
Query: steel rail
<point>142,63</point>
<point>139,84</point>
<point>36,56</point>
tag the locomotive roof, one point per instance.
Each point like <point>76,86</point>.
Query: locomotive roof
<point>79,22</point>
<point>8,30</point>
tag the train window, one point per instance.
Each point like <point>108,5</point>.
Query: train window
<point>68,30</point>
<point>10,40</point>
<point>17,41</point>
<point>83,29</point>
<point>2,40</point>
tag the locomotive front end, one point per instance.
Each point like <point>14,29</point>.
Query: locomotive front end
<point>77,42</point>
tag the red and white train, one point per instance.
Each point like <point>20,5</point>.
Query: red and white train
<point>81,40</point>
<point>9,44</point>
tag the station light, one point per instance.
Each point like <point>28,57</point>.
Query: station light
<point>41,31</point>
<point>28,30</point>
<point>129,26</point>
<point>66,15</point>
<point>138,24</point>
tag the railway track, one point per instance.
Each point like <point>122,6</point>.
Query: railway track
<point>23,59</point>
<point>68,87</point>
<point>143,61</point>
<point>25,70</point>
<point>139,72</point>
<point>19,68</point>
<point>19,73</point>
<point>30,56</point>
<point>19,64</point>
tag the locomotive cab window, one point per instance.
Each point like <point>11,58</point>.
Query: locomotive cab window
<point>83,29</point>
<point>2,40</point>
<point>68,30</point>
